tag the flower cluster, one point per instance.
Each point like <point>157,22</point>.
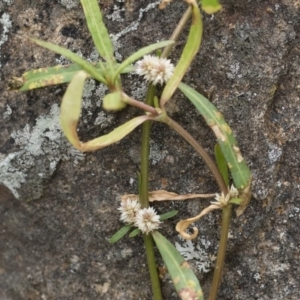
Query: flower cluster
<point>155,69</point>
<point>145,219</point>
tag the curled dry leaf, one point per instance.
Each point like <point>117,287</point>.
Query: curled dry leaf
<point>182,226</point>
<point>162,195</point>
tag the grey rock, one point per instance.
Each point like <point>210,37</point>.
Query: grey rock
<point>58,206</point>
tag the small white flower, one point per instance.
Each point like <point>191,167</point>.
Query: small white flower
<point>155,69</point>
<point>222,200</point>
<point>129,209</point>
<point>147,220</point>
<point>233,192</point>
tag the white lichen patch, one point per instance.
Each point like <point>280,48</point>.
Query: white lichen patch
<point>69,4</point>
<point>115,16</point>
<point>7,113</point>
<point>6,25</point>
<point>139,92</point>
<point>131,27</point>
<point>198,253</point>
<point>10,175</point>
<point>234,71</point>
<point>156,154</point>
<point>89,88</point>
<point>257,277</point>
<point>8,2</point>
<point>41,146</point>
<point>103,120</point>
<point>274,153</point>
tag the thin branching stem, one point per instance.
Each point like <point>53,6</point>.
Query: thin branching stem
<point>205,156</point>
<point>184,19</point>
<point>139,104</point>
<point>144,198</point>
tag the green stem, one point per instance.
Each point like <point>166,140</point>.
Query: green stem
<point>226,214</point>
<point>177,32</point>
<point>144,106</point>
<point>144,197</point>
<point>207,159</point>
<point>149,245</point>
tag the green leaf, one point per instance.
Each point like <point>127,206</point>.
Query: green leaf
<point>240,172</point>
<point>222,164</point>
<point>114,136</point>
<point>99,32</point>
<point>140,53</point>
<point>168,215</point>
<point>113,101</point>
<point>48,76</point>
<point>184,279</point>
<point>134,233</point>
<point>190,50</point>
<point>59,74</point>
<point>85,65</point>
<point>211,6</point>
<point>120,233</point>
<point>236,201</point>
<point>71,107</point>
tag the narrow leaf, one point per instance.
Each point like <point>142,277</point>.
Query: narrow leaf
<point>184,279</point>
<point>114,136</point>
<point>120,233</point>
<point>236,163</point>
<point>190,50</point>
<point>71,107</point>
<point>211,6</point>
<point>222,164</point>
<point>99,32</point>
<point>44,77</point>
<point>134,233</point>
<point>49,76</point>
<point>140,53</point>
<point>168,215</point>
<point>239,170</point>
<point>85,65</point>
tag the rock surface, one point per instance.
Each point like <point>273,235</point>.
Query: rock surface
<point>60,206</point>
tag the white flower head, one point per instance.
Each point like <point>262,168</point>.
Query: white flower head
<point>147,220</point>
<point>222,200</point>
<point>155,69</point>
<point>129,209</point>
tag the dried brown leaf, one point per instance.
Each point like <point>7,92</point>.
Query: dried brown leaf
<point>182,225</point>
<point>162,195</point>
<point>245,195</point>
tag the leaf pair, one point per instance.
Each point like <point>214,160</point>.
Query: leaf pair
<point>70,113</point>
